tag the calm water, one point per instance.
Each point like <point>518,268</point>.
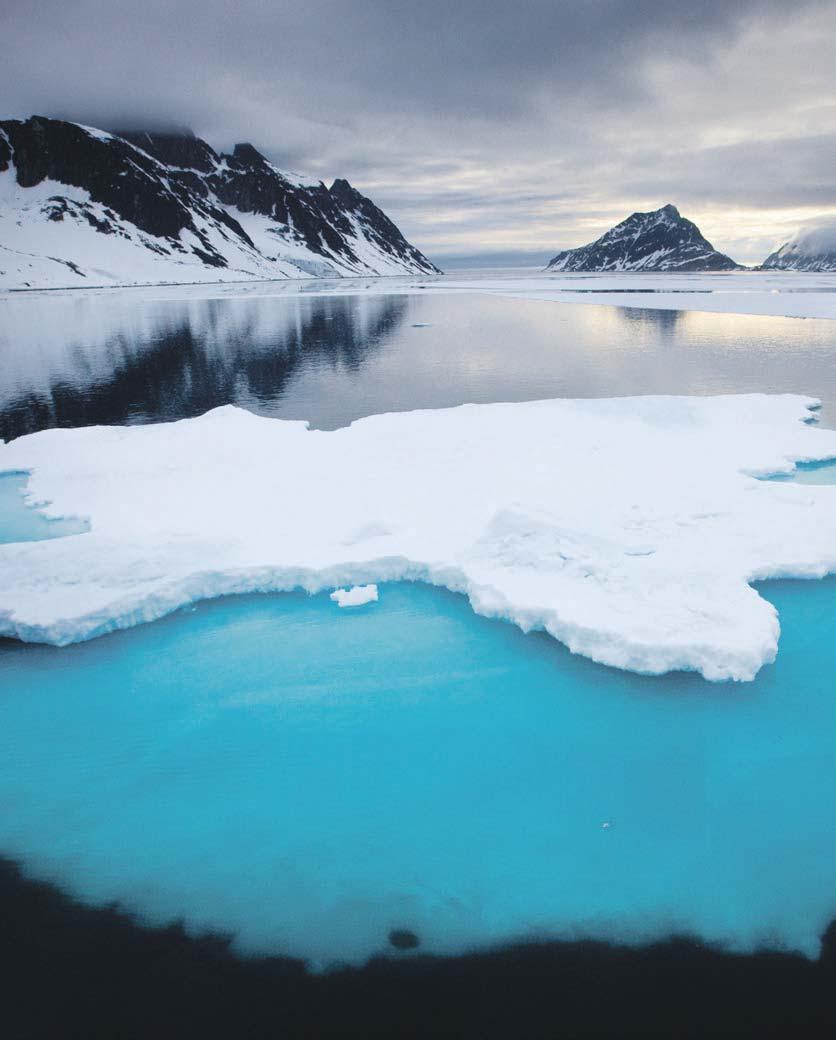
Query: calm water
<point>309,778</point>
<point>116,358</point>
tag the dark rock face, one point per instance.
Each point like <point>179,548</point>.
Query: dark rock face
<point>180,150</point>
<point>5,153</point>
<point>662,240</point>
<point>110,169</point>
<point>165,184</point>
<point>253,185</point>
<point>377,226</point>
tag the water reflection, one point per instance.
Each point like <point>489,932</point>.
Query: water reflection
<point>72,360</point>
<point>664,321</point>
<point>180,361</point>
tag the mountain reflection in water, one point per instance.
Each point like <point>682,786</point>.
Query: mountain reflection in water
<point>121,358</point>
<point>184,360</point>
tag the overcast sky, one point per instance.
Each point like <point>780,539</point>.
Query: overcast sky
<point>480,126</point>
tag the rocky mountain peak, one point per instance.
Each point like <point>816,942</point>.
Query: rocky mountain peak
<point>658,240</point>
<point>342,189</point>
<point>246,153</point>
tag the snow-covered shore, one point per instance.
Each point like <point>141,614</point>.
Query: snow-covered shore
<point>627,528</point>
<point>791,294</point>
<point>788,294</point>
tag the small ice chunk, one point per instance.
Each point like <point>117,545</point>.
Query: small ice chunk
<point>356,596</point>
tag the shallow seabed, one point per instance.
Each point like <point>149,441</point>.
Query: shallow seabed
<point>430,770</point>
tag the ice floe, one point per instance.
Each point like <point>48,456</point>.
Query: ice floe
<point>627,528</point>
<point>356,596</point>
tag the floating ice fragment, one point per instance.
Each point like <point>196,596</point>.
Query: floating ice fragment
<point>356,596</point>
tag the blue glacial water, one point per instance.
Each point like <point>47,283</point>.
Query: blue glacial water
<point>811,473</point>
<point>309,779</point>
<point>18,523</point>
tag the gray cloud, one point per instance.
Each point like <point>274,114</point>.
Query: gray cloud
<point>786,171</point>
<point>817,239</point>
<point>478,124</point>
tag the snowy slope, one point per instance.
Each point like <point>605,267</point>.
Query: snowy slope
<point>662,240</point>
<point>82,207</point>
<point>630,533</point>
<point>812,249</point>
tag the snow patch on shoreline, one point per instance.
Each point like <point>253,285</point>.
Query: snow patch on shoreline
<point>627,528</point>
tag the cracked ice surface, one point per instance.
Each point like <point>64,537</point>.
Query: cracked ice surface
<point>627,528</point>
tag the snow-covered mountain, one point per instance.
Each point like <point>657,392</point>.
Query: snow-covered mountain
<point>812,249</point>
<point>80,206</point>
<point>659,241</point>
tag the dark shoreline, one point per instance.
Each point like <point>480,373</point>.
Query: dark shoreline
<point>70,971</point>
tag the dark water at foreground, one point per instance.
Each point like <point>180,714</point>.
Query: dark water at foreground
<point>74,972</point>
<point>110,359</point>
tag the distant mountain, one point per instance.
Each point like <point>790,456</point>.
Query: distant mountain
<point>659,241</point>
<point>811,250</point>
<point>80,206</point>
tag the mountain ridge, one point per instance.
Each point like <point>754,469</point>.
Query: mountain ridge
<point>79,205</point>
<point>657,240</point>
